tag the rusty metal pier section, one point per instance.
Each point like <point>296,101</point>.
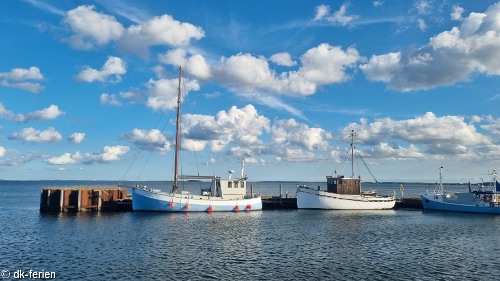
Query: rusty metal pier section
<point>84,198</point>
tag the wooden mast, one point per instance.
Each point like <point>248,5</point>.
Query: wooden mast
<point>177,136</point>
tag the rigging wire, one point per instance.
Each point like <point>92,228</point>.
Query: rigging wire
<point>142,149</point>
<point>376,181</point>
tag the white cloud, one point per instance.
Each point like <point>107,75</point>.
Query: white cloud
<point>493,127</point>
<point>108,154</point>
<point>340,16</point>
<point>457,12</point>
<point>194,65</point>
<point>449,57</point>
<point>76,137</point>
<point>421,24</point>
<point>114,67</point>
<point>22,159</point>
<point>423,6</point>
<point>321,12</point>
<point>17,78</point>
<point>162,93</point>
<point>283,59</point>
<point>289,132</point>
<point>378,3</point>
<point>91,28</point>
<point>326,64</point>
<point>238,126</point>
<point>107,99</point>
<point>2,151</point>
<point>321,65</point>
<point>163,30</point>
<point>392,151</point>
<point>33,135</point>
<point>148,140</point>
<point>49,113</point>
<point>427,129</point>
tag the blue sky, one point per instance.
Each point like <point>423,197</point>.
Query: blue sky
<point>88,88</point>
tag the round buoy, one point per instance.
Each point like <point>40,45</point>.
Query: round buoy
<point>186,207</point>
<point>210,208</point>
<point>237,208</point>
<point>171,204</point>
<point>249,206</point>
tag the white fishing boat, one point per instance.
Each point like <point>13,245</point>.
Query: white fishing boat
<point>343,194</point>
<point>483,200</point>
<point>223,195</point>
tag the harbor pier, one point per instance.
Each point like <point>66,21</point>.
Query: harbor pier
<point>84,198</point>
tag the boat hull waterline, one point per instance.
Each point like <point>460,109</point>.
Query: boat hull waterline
<point>308,198</point>
<point>144,200</point>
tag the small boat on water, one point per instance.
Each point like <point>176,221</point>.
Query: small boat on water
<point>484,200</point>
<point>223,195</point>
<point>343,194</point>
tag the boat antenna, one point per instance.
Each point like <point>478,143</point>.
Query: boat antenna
<point>353,135</point>
<point>177,135</point>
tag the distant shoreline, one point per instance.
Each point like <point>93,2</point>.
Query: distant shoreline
<point>265,181</point>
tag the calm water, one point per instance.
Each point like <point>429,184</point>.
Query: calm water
<point>267,245</point>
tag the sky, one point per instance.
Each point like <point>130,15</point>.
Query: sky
<point>88,89</point>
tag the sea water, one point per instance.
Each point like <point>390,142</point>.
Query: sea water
<point>260,245</point>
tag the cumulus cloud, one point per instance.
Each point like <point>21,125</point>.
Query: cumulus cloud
<point>49,113</point>
<point>20,78</point>
<point>92,29</point>
<point>148,139</point>
<point>111,72</point>
<point>457,12</point>
<point>283,59</point>
<point>393,151</point>
<point>77,137</point>
<point>240,126</point>
<point>33,135</point>
<point>162,93</point>
<point>2,151</point>
<point>321,65</point>
<point>429,130</point>
<point>290,132</point>
<point>194,65</point>
<point>108,154</point>
<point>449,57</point>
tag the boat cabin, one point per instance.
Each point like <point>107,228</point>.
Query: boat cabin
<point>226,188</point>
<point>342,185</point>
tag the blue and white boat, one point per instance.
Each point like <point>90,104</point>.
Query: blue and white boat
<point>223,195</point>
<point>484,200</point>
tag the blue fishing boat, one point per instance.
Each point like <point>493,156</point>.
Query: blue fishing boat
<point>483,200</point>
<point>223,195</point>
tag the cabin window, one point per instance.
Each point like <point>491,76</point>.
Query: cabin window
<point>235,184</point>
<point>230,184</point>
<point>242,184</point>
